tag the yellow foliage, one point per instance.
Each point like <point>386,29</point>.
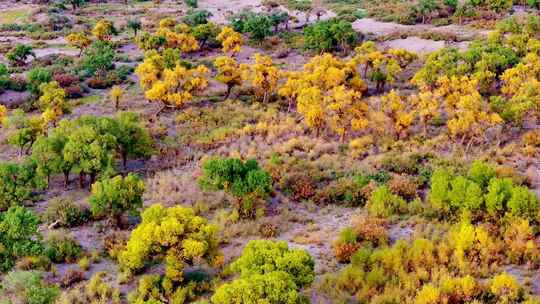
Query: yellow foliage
<point>103,30</point>
<point>228,72</point>
<point>79,40</point>
<point>231,40</point>
<point>264,76</point>
<point>116,94</point>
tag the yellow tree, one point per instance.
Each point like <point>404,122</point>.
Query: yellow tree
<point>231,41</point>
<point>3,113</point>
<point>228,73</point>
<point>426,106</point>
<point>79,40</point>
<point>52,102</point>
<point>103,30</point>
<point>171,87</point>
<point>264,76</point>
<point>328,92</point>
<point>177,36</point>
<point>398,111</point>
<point>116,95</point>
<point>521,84</point>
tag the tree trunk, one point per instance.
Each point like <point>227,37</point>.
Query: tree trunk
<point>124,160</point>
<point>82,179</point>
<point>66,179</point>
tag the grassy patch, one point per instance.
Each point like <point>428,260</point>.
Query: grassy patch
<point>14,16</point>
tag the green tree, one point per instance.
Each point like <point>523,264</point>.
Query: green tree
<point>99,58</point>
<point>134,25</point>
<point>112,197</point>
<point>22,130</point>
<point>19,236</point>
<point>27,287</point>
<point>269,271</point>
<point>132,139</point>
<point>17,181</point>
<point>245,181</point>
<point>196,17</point>
<point>329,35</point>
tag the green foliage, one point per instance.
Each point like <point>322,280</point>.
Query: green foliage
<point>134,25</point>
<point>178,237</point>
<point>99,58</point>
<point>26,287</point>
<point>269,271</point>
<point>243,180</point>
<point>62,247</point>
<point>480,190</point>
<point>36,77</point>
<point>259,26</point>
<point>330,35</point>
<point>4,78</point>
<point>16,184</point>
<point>19,54</point>
<point>18,236</point>
<point>192,3</point>
<point>133,140</point>
<point>206,34</point>
<point>112,197</point>
<point>384,203</point>
<point>196,17</point>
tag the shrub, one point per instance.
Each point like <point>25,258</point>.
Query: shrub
<point>383,203</point>
<point>330,35</point>
<point>196,17</point>
<point>26,287</point>
<point>96,290</point>
<point>36,77</point>
<point>18,236</point>
<point>19,54</point>
<point>506,288</point>
<point>62,247</point>
<point>64,212</point>
<point>245,181</point>
<point>269,271</point>
<point>17,182</point>
<point>181,237</point>
<point>72,276</point>
<point>99,58</point>
<point>112,197</point>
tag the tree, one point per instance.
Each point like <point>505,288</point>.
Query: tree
<point>22,130</point>
<point>425,8</point>
<point>231,41</point>
<point>329,35</point>
<point>116,95</point>
<point>264,76</point>
<point>99,58</point>
<point>269,271</point>
<point>19,236</point>
<point>79,40</point>
<point>112,197</point>
<point>179,237</point>
<point>172,87</point>
<point>19,54</point>
<point>398,111</point>
<point>206,34</point>
<point>17,181</point>
<point>196,17</point>
<point>103,30</point>
<point>228,73</point>
<point>245,181</point>
<point>134,25</point>
<point>258,26</point>
<point>75,3</point>
<point>132,139</point>
<point>52,101</point>
<point>90,151</point>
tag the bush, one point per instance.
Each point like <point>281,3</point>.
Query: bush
<point>269,271</point>
<point>62,247</point>
<point>26,287</point>
<point>17,182</point>
<point>112,197</point>
<point>180,237</point>
<point>384,204</point>
<point>330,35</point>
<point>99,58</point>
<point>96,290</point>
<point>196,17</point>
<point>36,77</point>
<point>245,181</point>
<point>19,54</point>
<point>64,212</point>
<point>18,236</point>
